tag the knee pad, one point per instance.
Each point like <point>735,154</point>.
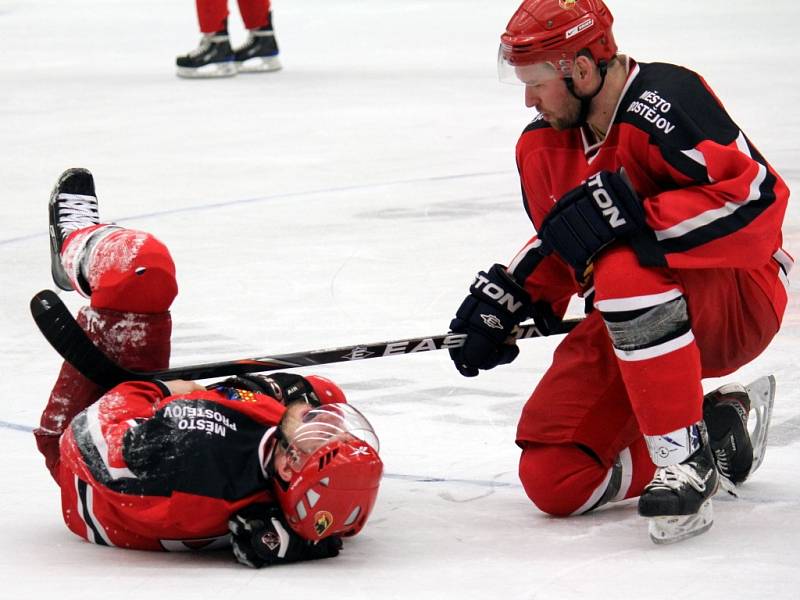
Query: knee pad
<point>563,480</point>
<point>637,324</point>
<point>131,271</point>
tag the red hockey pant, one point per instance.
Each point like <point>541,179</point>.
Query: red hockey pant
<point>213,14</point>
<point>591,405</point>
<point>132,277</point>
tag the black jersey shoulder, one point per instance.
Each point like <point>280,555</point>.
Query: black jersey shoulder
<point>193,446</point>
<point>673,105</point>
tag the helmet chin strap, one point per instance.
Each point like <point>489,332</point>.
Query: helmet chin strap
<point>586,101</point>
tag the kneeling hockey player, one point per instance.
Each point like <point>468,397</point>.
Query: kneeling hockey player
<point>652,204</point>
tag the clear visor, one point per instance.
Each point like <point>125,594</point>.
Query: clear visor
<point>316,427</point>
<point>530,69</point>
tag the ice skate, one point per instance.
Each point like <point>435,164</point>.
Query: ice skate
<point>73,206</point>
<point>738,442</point>
<point>677,502</point>
<point>213,57</point>
<point>259,54</point>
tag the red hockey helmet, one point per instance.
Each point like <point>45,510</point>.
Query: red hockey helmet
<point>336,471</point>
<point>554,31</point>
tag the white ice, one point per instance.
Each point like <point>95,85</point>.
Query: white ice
<point>350,198</point>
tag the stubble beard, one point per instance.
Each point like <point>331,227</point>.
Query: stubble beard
<point>571,116</point>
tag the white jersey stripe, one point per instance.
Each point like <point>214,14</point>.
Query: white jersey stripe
<point>784,260</point>
<point>741,144</point>
<point>699,158</point>
<point>99,441</point>
<point>98,527</point>
<point>786,263</point>
<point>522,254</point>
<point>82,512</point>
<point>636,302</point>
<point>726,210</point>
<point>92,525</point>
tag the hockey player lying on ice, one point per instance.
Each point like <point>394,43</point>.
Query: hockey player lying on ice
<point>278,466</point>
<point>653,205</point>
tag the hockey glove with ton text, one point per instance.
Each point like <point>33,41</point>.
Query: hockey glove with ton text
<point>261,537</point>
<point>589,217</point>
<point>495,305</point>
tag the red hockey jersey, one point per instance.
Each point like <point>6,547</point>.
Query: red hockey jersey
<point>143,469</point>
<point>710,198</point>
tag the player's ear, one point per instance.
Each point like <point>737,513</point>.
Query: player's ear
<point>583,69</point>
<point>281,464</point>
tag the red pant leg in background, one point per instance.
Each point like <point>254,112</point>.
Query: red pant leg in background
<point>213,14</point>
<point>133,281</point>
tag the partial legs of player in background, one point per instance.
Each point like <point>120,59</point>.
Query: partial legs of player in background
<point>214,56</point>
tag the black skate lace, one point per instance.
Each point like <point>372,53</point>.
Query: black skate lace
<point>675,476</point>
<point>76,211</point>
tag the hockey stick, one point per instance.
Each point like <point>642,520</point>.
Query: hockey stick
<point>69,339</point>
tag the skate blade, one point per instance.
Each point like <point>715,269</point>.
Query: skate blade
<point>671,529</point>
<point>762,397</point>
<point>260,64</point>
<point>223,69</point>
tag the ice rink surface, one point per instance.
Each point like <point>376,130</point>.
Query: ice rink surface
<point>350,198</point>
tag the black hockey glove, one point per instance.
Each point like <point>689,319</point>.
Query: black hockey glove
<point>589,217</point>
<point>261,537</point>
<point>495,305</point>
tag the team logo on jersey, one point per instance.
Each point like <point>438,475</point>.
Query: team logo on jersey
<point>322,522</point>
<point>567,4</point>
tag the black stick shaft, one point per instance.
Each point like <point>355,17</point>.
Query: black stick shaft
<point>71,342</point>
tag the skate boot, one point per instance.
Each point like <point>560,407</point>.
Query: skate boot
<point>213,57</point>
<point>259,54</point>
<point>73,206</point>
<point>738,450</point>
<point>677,502</point>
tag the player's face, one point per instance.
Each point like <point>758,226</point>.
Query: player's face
<point>546,92</point>
<point>292,419</point>
<point>306,429</point>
